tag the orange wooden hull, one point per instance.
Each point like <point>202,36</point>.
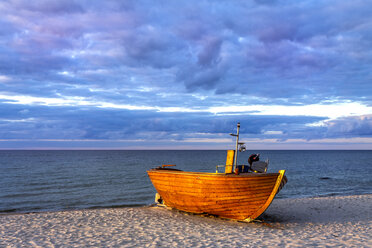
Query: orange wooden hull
<point>240,197</point>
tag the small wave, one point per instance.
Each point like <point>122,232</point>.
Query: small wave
<point>12,210</point>
<point>28,195</point>
<point>330,194</point>
<point>325,178</point>
<point>22,210</point>
<point>22,195</point>
<point>117,206</point>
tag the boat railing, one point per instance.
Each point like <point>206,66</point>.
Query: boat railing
<point>219,166</point>
<point>256,167</point>
<point>242,168</point>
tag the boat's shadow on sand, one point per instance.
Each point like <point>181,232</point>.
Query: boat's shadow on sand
<point>321,210</point>
<point>334,209</point>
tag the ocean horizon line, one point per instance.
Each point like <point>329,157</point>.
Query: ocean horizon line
<point>165,149</point>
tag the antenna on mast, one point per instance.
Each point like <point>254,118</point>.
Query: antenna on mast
<point>237,144</point>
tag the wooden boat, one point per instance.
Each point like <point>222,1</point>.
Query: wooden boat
<point>240,195</point>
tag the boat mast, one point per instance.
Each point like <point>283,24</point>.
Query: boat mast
<point>237,144</point>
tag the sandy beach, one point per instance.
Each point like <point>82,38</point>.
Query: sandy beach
<point>342,221</point>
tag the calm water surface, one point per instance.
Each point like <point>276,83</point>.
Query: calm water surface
<point>61,180</point>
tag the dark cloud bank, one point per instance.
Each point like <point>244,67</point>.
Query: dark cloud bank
<point>181,54</point>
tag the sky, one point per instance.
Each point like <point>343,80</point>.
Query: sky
<point>85,74</point>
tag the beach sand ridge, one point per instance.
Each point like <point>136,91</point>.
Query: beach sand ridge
<point>342,221</point>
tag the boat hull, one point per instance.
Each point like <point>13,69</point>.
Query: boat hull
<point>240,197</point>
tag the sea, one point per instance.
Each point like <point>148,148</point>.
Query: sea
<point>44,180</point>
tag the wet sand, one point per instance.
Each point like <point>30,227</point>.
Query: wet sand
<point>342,221</point>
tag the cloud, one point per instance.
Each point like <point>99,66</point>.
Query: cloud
<point>265,42</point>
<point>162,58</point>
<point>52,122</point>
<point>48,6</point>
<point>354,126</point>
<point>210,52</point>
